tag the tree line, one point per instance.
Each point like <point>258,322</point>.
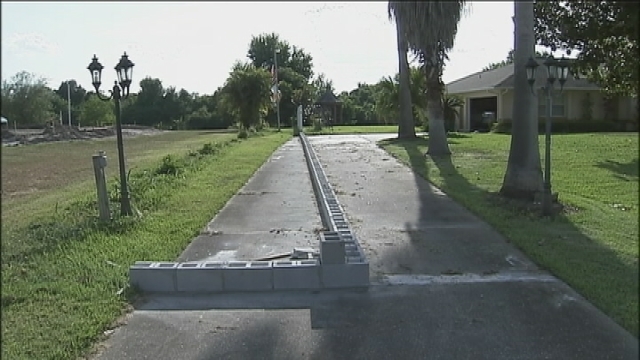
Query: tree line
<point>28,101</point>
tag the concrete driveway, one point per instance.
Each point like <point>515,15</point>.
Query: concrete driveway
<point>445,286</point>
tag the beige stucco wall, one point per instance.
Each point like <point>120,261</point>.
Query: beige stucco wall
<point>627,109</point>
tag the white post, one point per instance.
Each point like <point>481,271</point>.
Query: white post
<point>69,101</point>
<point>299,118</point>
<point>99,163</point>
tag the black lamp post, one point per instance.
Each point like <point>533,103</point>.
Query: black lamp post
<point>124,70</point>
<point>556,69</point>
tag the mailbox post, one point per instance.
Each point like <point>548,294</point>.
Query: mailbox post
<point>99,163</point>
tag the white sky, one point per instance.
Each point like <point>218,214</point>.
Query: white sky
<point>193,45</point>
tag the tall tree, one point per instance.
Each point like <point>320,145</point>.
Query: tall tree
<point>430,28</point>
<point>320,84</point>
<point>147,108</point>
<point>247,93</point>
<point>604,33</point>
<point>509,60</point>
<point>523,177</point>
<point>294,72</point>
<point>261,49</point>
<point>406,123</point>
<point>97,112</point>
<point>27,100</point>
<point>76,92</point>
<point>388,104</point>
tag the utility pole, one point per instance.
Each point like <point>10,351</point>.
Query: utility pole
<point>69,101</point>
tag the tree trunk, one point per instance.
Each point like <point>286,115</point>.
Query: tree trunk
<point>406,125</point>
<point>438,145</point>
<point>523,178</point>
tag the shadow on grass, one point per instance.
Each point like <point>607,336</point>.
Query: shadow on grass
<point>621,169</point>
<point>557,245</point>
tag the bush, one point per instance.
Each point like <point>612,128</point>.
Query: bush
<point>207,149</point>
<point>560,126</point>
<point>170,166</point>
<point>243,133</point>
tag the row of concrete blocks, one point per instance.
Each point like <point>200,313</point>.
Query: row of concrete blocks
<point>241,276</point>
<point>338,245</point>
<point>330,210</point>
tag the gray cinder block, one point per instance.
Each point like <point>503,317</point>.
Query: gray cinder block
<point>304,274</point>
<point>345,275</point>
<point>200,277</point>
<point>248,276</point>
<point>153,277</point>
<point>332,250</point>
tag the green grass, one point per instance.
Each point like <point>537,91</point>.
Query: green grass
<point>354,129</point>
<point>63,273</point>
<point>594,247</point>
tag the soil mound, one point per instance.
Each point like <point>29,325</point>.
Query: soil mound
<point>57,132</point>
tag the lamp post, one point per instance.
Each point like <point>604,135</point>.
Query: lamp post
<point>277,92</point>
<point>556,69</point>
<point>120,90</point>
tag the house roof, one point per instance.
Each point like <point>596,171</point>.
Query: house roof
<point>502,78</point>
<point>328,98</point>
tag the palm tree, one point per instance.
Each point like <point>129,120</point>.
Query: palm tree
<point>387,97</point>
<point>450,105</point>
<point>246,93</point>
<point>430,27</point>
<point>523,178</point>
<point>406,124</point>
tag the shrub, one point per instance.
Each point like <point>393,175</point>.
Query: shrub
<point>243,133</point>
<point>559,126</point>
<point>170,166</point>
<point>207,149</point>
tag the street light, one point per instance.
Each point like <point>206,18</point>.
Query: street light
<point>556,69</point>
<point>124,71</point>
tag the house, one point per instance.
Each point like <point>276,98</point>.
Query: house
<point>490,93</point>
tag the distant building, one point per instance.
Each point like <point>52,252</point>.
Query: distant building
<point>491,92</point>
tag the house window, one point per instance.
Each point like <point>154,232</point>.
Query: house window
<point>558,102</point>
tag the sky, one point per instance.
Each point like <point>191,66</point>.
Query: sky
<point>193,45</point>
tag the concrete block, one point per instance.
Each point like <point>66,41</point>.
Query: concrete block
<point>153,277</point>
<point>356,259</point>
<point>304,274</point>
<point>200,277</point>
<point>345,275</point>
<point>331,248</point>
<point>248,276</point>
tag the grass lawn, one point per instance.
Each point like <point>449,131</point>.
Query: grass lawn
<point>593,247</point>
<point>64,275</point>
<point>354,129</point>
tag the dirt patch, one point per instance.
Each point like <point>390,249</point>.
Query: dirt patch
<point>69,133</point>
